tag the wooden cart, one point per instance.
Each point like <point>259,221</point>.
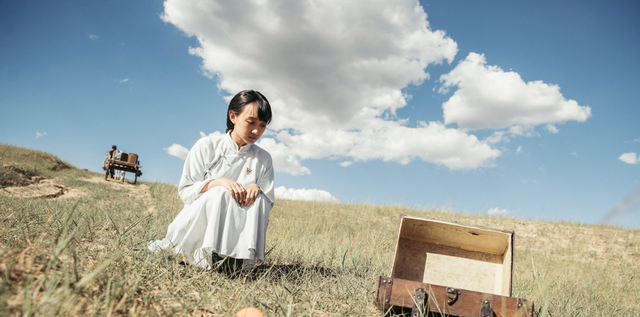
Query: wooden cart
<point>128,163</point>
<point>443,268</point>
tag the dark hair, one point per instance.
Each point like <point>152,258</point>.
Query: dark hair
<point>244,98</point>
<point>114,147</point>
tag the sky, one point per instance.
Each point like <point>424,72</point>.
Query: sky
<point>501,108</point>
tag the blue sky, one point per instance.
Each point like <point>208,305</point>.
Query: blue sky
<point>528,109</point>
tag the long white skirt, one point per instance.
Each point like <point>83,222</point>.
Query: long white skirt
<point>216,223</point>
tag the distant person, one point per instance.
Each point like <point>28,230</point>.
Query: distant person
<point>227,188</point>
<point>110,155</point>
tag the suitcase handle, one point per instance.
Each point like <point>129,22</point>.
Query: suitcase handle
<point>452,294</point>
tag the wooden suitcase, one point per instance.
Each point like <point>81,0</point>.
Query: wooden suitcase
<point>451,269</point>
<point>133,158</point>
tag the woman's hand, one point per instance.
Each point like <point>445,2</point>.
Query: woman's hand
<point>253,191</point>
<point>237,191</point>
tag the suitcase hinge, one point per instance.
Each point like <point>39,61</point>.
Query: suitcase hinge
<point>418,309</point>
<point>452,294</point>
<point>386,284</point>
<point>486,310</point>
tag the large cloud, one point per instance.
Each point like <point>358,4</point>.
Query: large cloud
<point>490,98</point>
<point>389,141</point>
<point>334,73</point>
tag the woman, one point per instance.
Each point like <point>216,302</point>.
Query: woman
<point>227,190</point>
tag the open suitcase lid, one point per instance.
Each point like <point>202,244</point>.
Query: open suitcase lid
<point>445,253</point>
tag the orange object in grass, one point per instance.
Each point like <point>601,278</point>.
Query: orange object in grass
<point>249,312</point>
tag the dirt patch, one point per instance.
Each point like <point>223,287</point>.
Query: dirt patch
<point>58,164</point>
<point>113,183</point>
<point>140,191</point>
<point>43,188</point>
<point>11,175</point>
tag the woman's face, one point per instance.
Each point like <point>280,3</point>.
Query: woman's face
<point>247,127</point>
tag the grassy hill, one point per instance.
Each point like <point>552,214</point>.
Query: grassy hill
<point>82,251</point>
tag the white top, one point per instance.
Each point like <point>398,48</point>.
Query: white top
<point>218,156</point>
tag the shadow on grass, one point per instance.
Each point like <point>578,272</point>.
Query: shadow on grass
<point>288,271</point>
<point>291,272</point>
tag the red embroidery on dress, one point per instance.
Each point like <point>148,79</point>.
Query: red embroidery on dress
<point>249,171</point>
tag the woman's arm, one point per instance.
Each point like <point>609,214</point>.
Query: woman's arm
<point>192,180</point>
<point>265,179</point>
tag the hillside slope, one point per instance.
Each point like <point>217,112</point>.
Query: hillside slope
<point>83,252</point>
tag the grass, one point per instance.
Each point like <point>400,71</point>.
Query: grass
<point>87,255</point>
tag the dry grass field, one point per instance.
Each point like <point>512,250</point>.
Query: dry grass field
<point>74,244</point>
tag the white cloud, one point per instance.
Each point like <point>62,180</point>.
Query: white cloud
<point>630,158</point>
<point>93,37</point>
<point>345,163</point>
<point>389,141</point>
<point>523,130</point>
<point>636,140</point>
<point>574,153</point>
<point>490,98</point>
<point>39,135</point>
<point>497,211</point>
<point>304,194</point>
<point>334,73</point>
<point>552,128</point>
<point>497,137</point>
<point>519,149</point>
<point>177,150</point>
<point>124,80</point>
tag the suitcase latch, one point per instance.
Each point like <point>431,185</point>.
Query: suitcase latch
<point>452,294</point>
<point>418,303</point>
<point>486,310</point>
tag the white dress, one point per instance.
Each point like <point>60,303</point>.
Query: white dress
<point>213,221</point>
